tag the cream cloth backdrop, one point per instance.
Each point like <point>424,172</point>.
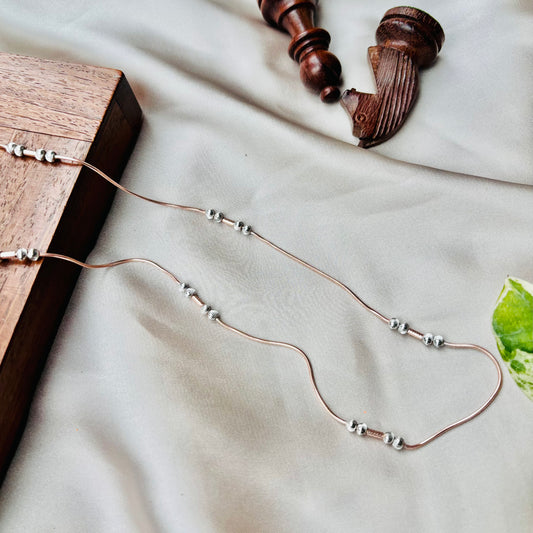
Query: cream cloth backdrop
<point>150,418</point>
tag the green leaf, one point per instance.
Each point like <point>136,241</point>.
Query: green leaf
<point>512,323</point>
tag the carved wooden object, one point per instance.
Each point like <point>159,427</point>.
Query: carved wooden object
<point>320,70</point>
<point>408,39</point>
<point>86,112</point>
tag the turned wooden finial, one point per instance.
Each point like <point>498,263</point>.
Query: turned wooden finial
<point>320,70</point>
<point>407,39</point>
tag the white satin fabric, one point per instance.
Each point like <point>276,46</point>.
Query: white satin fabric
<point>150,418</point>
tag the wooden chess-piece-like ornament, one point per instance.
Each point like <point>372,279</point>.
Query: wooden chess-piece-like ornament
<point>320,70</point>
<point>407,39</point>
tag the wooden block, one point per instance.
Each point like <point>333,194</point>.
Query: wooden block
<point>82,111</point>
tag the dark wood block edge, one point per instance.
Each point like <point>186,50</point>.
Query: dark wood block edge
<point>76,233</point>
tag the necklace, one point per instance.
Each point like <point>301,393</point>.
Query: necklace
<point>32,255</point>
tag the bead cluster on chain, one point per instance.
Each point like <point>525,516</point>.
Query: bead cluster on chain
<point>45,156</point>
<point>361,429</point>
<point>428,338</point>
<point>189,292</point>
<point>217,216</point>
<point>32,254</point>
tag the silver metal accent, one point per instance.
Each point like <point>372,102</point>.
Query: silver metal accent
<point>205,309</point>
<point>351,425</point>
<point>190,292</point>
<point>388,437</point>
<point>403,328</point>
<point>398,443</point>
<point>427,339</point>
<point>7,255</point>
<point>210,214</point>
<point>239,225</point>
<point>438,341</point>
<point>50,156</point>
<point>219,217</point>
<point>21,254</point>
<point>11,147</point>
<point>394,323</point>
<point>362,428</point>
<point>19,150</point>
<point>183,287</point>
<point>213,314</point>
<point>33,254</point>
<point>40,154</point>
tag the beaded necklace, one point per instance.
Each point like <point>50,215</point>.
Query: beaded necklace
<point>33,255</point>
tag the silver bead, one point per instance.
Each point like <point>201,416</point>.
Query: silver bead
<point>362,428</point>
<point>427,339</point>
<point>394,323</point>
<point>438,341</point>
<point>21,254</point>
<point>190,292</point>
<point>40,154</point>
<point>19,150</point>
<point>247,230</point>
<point>238,225</point>
<point>205,309</point>
<point>351,425</point>
<point>210,213</point>
<point>213,314</point>
<point>33,254</point>
<point>50,156</point>
<point>398,443</point>
<point>403,328</point>
<point>183,287</point>
<point>11,147</point>
<point>388,438</point>
<point>219,217</point>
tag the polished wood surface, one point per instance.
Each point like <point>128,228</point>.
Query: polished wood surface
<point>407,39</point>
<point>320,70</point>
<point>77,110</point>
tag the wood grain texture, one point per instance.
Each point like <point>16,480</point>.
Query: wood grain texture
<point>77,110</point>
<point>320,70</point>
<point>408,39</point>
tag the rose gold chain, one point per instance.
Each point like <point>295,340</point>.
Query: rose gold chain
<point>403,328</point>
